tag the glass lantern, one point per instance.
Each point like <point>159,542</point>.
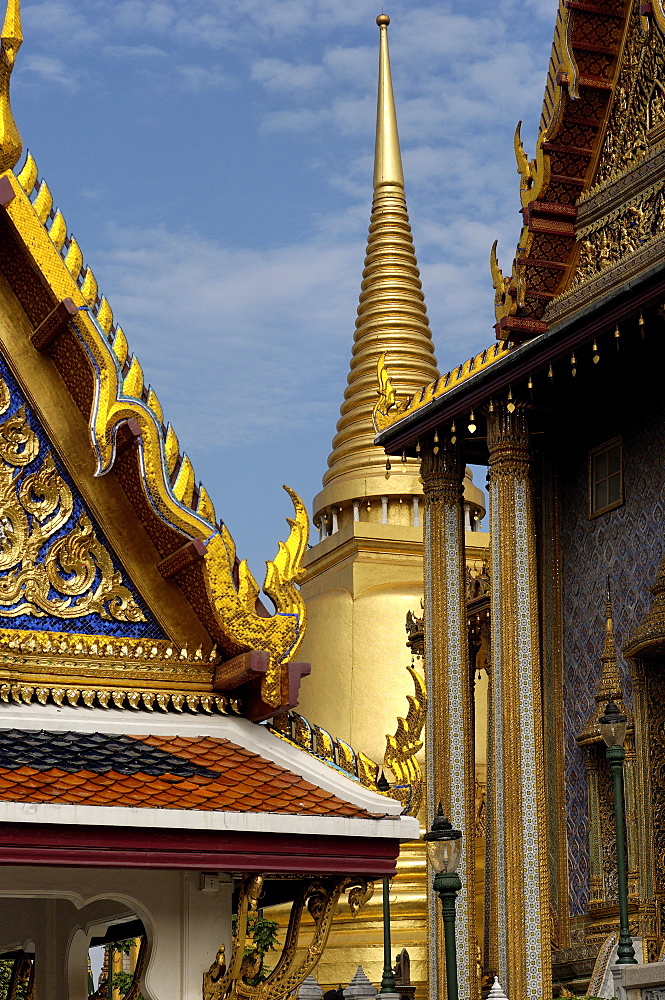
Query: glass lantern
<point>613,726</point>
<point>444,845</point>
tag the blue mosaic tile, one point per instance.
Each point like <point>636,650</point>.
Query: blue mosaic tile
<point>627,544</point>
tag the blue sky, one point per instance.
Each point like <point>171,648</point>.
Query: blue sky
<point>214,160</point>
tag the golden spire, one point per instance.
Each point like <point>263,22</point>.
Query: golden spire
<point>392,321</point>
<point>609,685</point>
<point>387,157</point>
<point>10,43</point>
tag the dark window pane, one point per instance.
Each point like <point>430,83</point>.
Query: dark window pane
<point>600,466</point>
<point>614,488</point>
<point>600,495</point>
<point>613,459</point>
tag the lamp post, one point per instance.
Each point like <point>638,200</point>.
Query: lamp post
<point>444,849</point>
<point>387,977</point>
<point>613,730</point>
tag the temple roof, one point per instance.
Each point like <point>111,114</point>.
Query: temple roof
<point>581,78</point>
<point>97,769</point>
<point>72,368</point>
<point>154,772</point>
<point>446,383</point>
<point>592,204</point>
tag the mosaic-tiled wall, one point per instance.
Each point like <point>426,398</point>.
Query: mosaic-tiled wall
<point>627,544</point>
<point>57,570</point>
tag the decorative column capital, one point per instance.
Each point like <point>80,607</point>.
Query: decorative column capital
<point>442,471</point>
<point>508,439</point>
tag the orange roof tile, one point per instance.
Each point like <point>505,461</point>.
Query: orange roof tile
<point>200,773</point>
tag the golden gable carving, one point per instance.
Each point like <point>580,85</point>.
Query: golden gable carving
<point>638,110</point>
<point>74,575</point>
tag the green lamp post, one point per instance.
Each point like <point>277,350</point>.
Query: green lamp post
<point>613,730</point>
<point>388,976</point>
<point>444,849</point>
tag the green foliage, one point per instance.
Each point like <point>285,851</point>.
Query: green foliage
<point>123,980</point>
<point>124,946</point>
<point>263,933</point>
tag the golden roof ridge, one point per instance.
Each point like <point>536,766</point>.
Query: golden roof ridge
<point>121,397</point>
<point>181,479</point>
<point>392,317</point>
<point>295,729</point>
<point>390,415</point>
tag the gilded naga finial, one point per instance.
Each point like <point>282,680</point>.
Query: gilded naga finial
<point>401,749</point>
<point>386,394</point>
<point>534,174</point>
<point>10,43</point>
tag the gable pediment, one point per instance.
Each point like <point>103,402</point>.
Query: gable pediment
<point>58,572</point>
<point>620,224</point>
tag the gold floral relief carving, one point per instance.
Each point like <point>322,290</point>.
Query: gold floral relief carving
<point>67,576</point>
<point>623,232</point>
<point>320,897</point>
<point>638,108</point>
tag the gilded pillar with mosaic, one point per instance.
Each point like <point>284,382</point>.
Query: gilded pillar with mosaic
<point>519,862</point>
<point>450,734</point>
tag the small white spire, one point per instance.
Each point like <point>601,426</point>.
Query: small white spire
<point>310,989</point>
<point>359,986</point>
<point>496,993</point>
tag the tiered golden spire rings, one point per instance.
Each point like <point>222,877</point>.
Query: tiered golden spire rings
<point>10,43</point>
<point>392,319</point>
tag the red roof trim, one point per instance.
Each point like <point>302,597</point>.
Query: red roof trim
<point>98,847</point>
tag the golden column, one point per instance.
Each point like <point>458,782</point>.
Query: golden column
<point>450,724</point>
<point>519,861</point>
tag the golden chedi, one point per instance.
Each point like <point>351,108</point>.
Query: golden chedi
<point>366,571</point>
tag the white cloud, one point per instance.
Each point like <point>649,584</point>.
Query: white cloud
<point>246,337</point>
<point>280,75</point>
<point>134,51</point>
<point>51,70</point>
<point>59,22</point>
<point>199,78</point>
<point>202,317</point>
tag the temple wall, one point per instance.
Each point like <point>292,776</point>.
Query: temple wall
<point>627,544</point>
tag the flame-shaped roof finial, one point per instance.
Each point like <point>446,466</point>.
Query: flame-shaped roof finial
<point>10,43</point>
